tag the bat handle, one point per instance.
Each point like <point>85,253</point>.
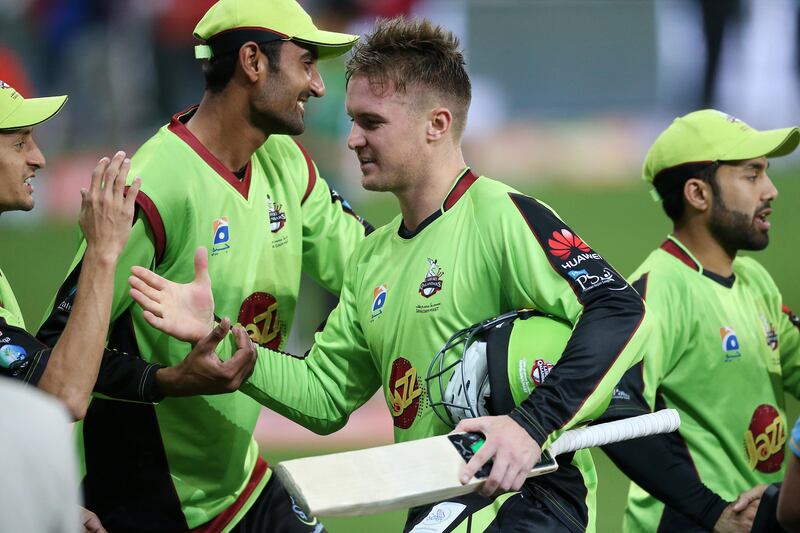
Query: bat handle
<point>664,421</point>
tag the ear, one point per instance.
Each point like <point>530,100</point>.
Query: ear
<point>439,123</point>
<point>697,194</point>
<point>251,61</point>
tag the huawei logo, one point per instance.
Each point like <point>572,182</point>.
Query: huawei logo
<point>563,242</point>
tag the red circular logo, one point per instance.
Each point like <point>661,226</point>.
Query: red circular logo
<point>404,393</point>
<point>259,316</point>
<point>765,439</point>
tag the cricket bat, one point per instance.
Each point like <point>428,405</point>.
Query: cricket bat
<point>424,471</point>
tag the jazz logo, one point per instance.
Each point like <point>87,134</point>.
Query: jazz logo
<point>221,235</point>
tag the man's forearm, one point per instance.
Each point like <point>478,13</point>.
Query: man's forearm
<point>72,370</point>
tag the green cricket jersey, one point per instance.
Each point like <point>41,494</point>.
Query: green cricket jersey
<point>724,354</point>
<point>488,250</point>
<point>9,308</point>
<point>188,462</point>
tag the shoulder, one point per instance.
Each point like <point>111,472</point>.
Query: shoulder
<point>494,201</point>
<point>660,276</point>
<point>291,160</point>
<point>753,274</point>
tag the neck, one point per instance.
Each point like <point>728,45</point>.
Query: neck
<point>706,249</point>
<point>429,189</point>
<point>213,123</point>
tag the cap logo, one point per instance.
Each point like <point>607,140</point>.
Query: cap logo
<point>4,85</point>
<point>732,119</point>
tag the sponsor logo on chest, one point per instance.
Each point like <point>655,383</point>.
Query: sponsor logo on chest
<point>222,236</point>
<point>404,393</point>
<point>277,216</point>
<point>765,439</point>
<point>730,344</point>
<point>769,332</point>
<point>379,295</point>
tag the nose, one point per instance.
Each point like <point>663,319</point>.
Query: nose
<point>35,157</point>
<point>317,86</point>
<point>356,138</point>
<point>770,192</point>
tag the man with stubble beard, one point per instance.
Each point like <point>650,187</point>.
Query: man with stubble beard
<point>226,177</point>
<point>726,349</point>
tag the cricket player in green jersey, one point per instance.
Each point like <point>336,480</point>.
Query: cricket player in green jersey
<point>225,176</point>
<point>727,349</point>
<point>465,248</point>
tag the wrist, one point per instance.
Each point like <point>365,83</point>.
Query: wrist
<point>168,380</point>
<point>101,255</point>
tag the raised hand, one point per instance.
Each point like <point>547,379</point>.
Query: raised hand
<point>514,453</point>
<point>182,310</point>
<point>106,212</point>
<point>203,372</point>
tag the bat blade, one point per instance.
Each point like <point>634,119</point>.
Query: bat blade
<point>383,478</point>
<point>424,471</point>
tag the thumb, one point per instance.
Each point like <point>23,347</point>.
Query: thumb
<point>201,265</point>
<point>210,341</point>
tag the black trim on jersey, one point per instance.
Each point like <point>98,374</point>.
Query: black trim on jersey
<point>673,478</point>
<point>128,482</point>
<point>612,313</point>
<point>336,197</point>
<point>33,357</point>
<point>793,318</point>
<point>722,280</point>
<point>406,233</point>
<point>456,193</point>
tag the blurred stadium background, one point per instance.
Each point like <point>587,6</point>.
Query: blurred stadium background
<point>568,95</point>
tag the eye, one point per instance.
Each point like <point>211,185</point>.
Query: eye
<point>19,145</point>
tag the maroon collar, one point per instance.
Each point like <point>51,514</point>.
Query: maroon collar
<point>460,188</point>
<point>178,127</point>
<point>673,249</point>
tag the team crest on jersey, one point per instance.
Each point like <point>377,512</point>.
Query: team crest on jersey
<point>769,333</point>
<point>277,217</point>
<point>222,236</point>
<point>404,393</point>
<point>378,300</point>
<point>540,370</point>
<point>765,439</point>
<point>433,279</point>
<point>258,315</point>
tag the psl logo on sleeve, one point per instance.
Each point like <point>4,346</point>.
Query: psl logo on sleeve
<point>765,439</point>
<point>730,344</point>
<point>222,236</point>
<point>277,217</point>
<point>433,279</point>
<point>378,300</point>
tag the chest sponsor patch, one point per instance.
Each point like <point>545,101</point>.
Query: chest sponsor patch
<point>730,344</point>
<point>765,439</point>
<point>404,393</point>
<point>222,236</point>
<point>379,295</point>
<point>258,315</point>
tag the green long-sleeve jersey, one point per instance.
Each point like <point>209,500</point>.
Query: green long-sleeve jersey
<point>488,250</point>
<point>724,353</point>
<point>187,461</point>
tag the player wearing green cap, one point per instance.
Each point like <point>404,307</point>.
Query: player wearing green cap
<point>465,248</point>
<point>224,176</point>
<point>726,348</point>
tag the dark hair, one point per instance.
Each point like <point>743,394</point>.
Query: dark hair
<point>669,185</point>
<point>218,70</point>
<point>404,52</point>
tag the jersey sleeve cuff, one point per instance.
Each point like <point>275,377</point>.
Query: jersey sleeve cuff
<point>530,425</point>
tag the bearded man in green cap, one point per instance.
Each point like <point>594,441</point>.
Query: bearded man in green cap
<point>224,176</point>
<point>727,348</point>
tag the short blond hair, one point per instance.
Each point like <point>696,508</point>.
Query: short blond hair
<point>404,52</point>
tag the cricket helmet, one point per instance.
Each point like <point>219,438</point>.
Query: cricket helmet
<point>491,367</point>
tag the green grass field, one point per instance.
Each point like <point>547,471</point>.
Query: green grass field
<point>622,223</point>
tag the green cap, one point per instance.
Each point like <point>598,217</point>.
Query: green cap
<point>230,23</point>
<point>709,135</point>
<point>18,112</point>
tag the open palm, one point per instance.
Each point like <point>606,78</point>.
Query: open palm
<point>182,310</point>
